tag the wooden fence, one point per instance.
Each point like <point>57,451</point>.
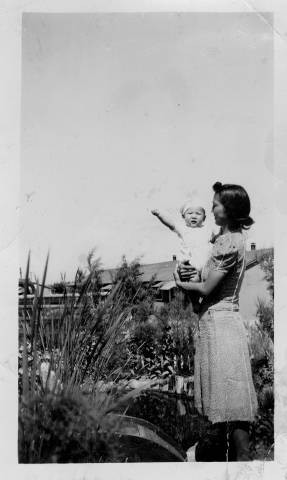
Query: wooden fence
<point>177,384</point>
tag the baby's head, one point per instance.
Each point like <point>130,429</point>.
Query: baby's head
<point>193,214</point>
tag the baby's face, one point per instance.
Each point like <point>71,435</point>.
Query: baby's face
<point>194,217</point>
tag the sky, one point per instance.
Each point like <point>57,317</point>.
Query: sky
<point>123,113</point>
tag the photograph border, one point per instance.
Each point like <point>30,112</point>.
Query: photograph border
<point>10,91</point>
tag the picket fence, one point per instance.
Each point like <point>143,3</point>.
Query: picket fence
<point>177,384</point>
<point>173,380</point>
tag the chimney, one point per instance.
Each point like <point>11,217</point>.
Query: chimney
<point>253,246</point>
<point>174,258</point>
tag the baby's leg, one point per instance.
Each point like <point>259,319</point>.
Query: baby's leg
<point>191,299</point>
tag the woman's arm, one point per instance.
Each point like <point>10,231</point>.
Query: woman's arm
<point>203,288</point>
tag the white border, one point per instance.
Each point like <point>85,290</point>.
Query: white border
<point>10,95</point>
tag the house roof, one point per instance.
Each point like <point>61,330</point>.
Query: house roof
<point>168,286</point>
<point>163,271</point>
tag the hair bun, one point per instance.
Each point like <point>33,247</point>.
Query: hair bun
<point>248,222</point>
<point>245,222</point>
<point>217,187</point>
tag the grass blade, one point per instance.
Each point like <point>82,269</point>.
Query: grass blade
<point>25,353</point>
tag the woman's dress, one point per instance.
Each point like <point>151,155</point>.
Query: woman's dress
<point>223,385</point>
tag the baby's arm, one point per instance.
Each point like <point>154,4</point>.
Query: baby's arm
<point>168,222</point>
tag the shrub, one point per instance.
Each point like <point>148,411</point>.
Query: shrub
<point>176,417</point>
<point>61,429</point>
<point>162,344</point>
<point>265,315</point>
<point>134,291</point>
<point>262,358</point>
<point>57,360</point>
<point>266,262</point>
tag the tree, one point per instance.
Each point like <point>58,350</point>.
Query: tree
<point>91,273</point>
<point>265,310</point>
<point>266,262</point>
<point>133,289</point>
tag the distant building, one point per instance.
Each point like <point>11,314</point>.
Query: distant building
<point>254,285</point>
<point>163,273</point>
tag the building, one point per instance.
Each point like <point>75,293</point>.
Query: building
<point>161,272</point>
<point>254,285</point>
<point>164,283</point>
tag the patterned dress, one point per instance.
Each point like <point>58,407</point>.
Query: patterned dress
<point>223,385</point>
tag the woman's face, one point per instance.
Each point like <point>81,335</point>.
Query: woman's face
<point>218,211</point>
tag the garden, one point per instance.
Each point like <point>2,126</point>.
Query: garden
<point>111,380</point>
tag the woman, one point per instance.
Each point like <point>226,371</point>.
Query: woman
<point>224,390</point>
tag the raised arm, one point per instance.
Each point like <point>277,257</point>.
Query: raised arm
<point>167,221</point>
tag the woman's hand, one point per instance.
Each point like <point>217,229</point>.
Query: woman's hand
<point>187,273</point>
<point>193,277</point>
<point>176,278</point>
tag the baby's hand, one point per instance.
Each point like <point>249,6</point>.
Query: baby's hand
<point>155,212</point>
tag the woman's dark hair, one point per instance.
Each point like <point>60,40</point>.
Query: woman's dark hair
<point>236,203</point>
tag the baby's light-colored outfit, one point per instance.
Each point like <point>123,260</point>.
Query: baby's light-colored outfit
<point>194,245</point>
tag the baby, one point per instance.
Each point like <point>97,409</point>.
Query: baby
<point>194,235</point>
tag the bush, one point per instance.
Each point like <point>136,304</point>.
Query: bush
<point>265,315</point>
<point>262,359</point>
<point>266,262</point>
<point>183,424</point>
<point>57,360</point>
<point>162,344</point>
<point>60,429</point>
<point>134,291</point>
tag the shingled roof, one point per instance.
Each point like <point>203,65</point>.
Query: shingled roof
<point>163,271</point>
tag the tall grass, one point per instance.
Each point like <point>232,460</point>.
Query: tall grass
<point>63,356</point>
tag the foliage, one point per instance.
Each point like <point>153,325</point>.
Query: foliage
<point>265,315</point>
<point>140,295</point>
<point>266,261</point>
<point>260,345</point>
<point>183,324</point>
<point>57,358</point>
<point>89,346</point>
<point>63,431</point>
<point>261,337</point>
<point>262,437</point>
<point>176,417</point>
<point>59,287</point>
<point>161,344</point>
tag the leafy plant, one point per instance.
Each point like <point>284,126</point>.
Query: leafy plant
<point>176,417</point>
<point>140,294</point>
<point>62,359</point>
<point>261,338</point>
<point>62,430</point>
<point>161,344</point>
<point>265,315</point>
<point>266,262</point>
